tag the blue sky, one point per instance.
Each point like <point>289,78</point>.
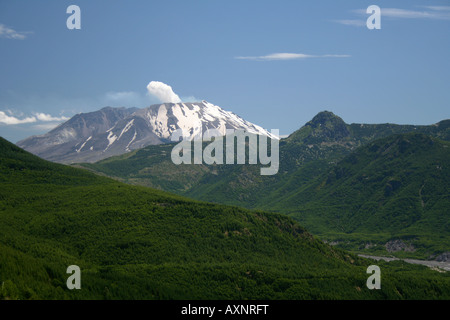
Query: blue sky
<point>275,63</point>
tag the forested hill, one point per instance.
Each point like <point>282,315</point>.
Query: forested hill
<point>137,243</point>
<point>392,189</point>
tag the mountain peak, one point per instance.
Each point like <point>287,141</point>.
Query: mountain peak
<point>325,126</point>
<point>326,117</point>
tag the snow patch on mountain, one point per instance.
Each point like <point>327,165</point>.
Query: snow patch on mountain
<point>82,146</point>
<point>127,127</point>
<point>188,120</point>
<point>159,121</point>
<point>111,139</point>
<point>131,141</point>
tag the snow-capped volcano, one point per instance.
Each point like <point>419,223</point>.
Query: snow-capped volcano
<point>97,135</point>
<point>194,119</point>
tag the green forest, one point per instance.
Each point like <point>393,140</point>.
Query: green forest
<point>134,242</point>
<point>359,186</point>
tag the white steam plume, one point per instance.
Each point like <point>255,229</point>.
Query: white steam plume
<point>163,92</point>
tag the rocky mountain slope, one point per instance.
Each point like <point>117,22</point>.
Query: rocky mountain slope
<point>98,135</point>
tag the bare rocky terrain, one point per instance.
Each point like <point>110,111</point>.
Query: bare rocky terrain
<point>434,264</point>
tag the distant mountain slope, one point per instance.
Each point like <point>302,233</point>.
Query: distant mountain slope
<point>328,137</point>
<point>397,187</point>
<point>68,139</point>
<point>308,154</point>
<point>138,243</point>
<point>305,154</point>
<point>113,131</point>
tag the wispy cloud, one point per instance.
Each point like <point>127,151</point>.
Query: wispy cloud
<point>438,8</point>
<point>432,12</point>
<point>120,95</point>
<point>190,99</point>
<point>9,33</point>
<point>123,98</point>
<point>9,119</point>
<point>290,56</point>
<point>425,12</point>
<point>352,22</point>
<point>47,117</point>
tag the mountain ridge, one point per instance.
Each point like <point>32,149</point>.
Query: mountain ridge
<point>392,189</point>
<point>310,152</point>
<point>297,152</point>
